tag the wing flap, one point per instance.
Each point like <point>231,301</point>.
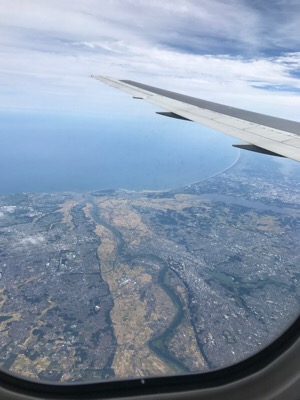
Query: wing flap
<point>232,121</point>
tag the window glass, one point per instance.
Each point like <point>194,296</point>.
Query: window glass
<point>133,245</point>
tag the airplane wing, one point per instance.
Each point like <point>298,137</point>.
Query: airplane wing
<point>262,133</point>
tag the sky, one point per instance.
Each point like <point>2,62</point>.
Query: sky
<point>236,52</point>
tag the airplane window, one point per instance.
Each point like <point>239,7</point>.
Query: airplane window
<point>133,245</point>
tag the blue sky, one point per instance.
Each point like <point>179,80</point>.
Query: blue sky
<point>238,52</point>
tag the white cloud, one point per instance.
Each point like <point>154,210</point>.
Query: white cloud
<point>8,209</point>
<point>32,240</point>
<point>48,50</point>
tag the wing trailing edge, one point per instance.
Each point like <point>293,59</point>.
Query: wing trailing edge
<point>262,133</point>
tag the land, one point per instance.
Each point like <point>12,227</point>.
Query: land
<point>117,284</point>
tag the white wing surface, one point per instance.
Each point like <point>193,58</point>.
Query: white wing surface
<point>262,133</point>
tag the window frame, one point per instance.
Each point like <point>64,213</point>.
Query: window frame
<point>272,372</point>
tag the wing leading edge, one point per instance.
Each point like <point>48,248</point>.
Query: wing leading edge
<point>261,132</point>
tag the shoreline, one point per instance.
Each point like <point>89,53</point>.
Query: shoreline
<point>128,190</point>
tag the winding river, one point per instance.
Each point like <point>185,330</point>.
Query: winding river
<point>159,345</point>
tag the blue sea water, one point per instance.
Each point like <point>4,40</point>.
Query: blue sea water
<point>54,153</point>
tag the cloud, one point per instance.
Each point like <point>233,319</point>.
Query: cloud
<point>211,49</point>
<point>7,209</point>
<point>32,240</point>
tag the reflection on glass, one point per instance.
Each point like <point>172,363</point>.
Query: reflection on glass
<point>119,283</point>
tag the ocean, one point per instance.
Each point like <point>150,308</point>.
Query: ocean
<point>58,153</point>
